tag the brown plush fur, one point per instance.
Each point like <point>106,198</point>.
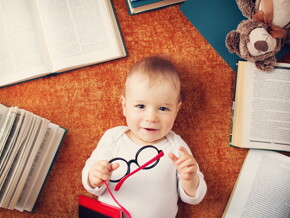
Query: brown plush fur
<point>236,40</point>
<point>87,102</point>
<point>248,7</point>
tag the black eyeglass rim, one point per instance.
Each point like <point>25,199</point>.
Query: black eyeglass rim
<point>135,161</point>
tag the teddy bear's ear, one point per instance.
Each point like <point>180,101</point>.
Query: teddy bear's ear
<point>233,41</point>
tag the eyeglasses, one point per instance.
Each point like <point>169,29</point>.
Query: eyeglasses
<point>124,168</point>
<point>143,154</point>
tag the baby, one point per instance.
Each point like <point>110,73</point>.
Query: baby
<point>150,102</point>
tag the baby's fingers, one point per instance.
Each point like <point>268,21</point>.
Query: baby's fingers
<point>103,167</point>
<point>114,166</point>
<point>186,163</point>
<point>189,169</point>
<point>102,176</point>
<point>173,157</point>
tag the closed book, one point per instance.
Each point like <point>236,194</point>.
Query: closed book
<point>89,207</point>
<point>139,6</point>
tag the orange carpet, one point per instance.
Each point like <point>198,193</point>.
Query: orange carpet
<point>87,102</point>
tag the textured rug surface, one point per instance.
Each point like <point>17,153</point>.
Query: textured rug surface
<point>87,102</point>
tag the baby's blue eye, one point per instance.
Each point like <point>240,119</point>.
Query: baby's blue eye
<point>141,106</point>
<point>163,109</point>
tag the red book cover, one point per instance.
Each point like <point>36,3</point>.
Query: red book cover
<point>89,207</point>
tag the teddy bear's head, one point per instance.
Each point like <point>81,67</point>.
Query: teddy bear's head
<point>253,42</point>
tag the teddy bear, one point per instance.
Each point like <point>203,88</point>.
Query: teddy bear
<point>262,36</point>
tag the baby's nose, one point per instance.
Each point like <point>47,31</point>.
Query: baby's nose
<point>151,116</point>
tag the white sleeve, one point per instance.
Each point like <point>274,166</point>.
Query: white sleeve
<point>103,151</point>
<point>200,193</point>
<point>202,187</point>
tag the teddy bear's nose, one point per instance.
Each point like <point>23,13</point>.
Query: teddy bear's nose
<point>261,46</point>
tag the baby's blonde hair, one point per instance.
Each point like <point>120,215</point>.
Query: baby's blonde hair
<point>157,69</point>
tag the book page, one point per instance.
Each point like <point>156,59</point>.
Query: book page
<point>3,112</point>
<point>19,163</point>
<point>271,108</point>
<point>9,146</point>
<point>22,135</point>
<point>15,170</point>
<point>45,166</point>
<point>36,143</point>
<point>266,108</point>
<point>20,46</point>
<point>4,116</point>
<point>36,168</point>
<point>79,33</point>
<point>262,189</point>
<point>6,128</point>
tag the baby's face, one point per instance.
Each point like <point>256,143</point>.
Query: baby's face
<point>150,111</point>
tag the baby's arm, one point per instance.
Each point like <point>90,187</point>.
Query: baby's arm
<point>103,151</point>
<point>100,171</point>
<point>187,168</point>
<point>268,8</point>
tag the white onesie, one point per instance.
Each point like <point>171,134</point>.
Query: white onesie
<point>149,193</point>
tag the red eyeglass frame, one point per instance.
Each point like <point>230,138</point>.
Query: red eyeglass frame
<point>120,183</point>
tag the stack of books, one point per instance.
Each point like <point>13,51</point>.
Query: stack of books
<point>28,146</point>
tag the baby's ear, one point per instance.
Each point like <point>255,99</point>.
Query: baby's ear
<point>233,41</point>
<point>179,106</point>
<point>123,102</point>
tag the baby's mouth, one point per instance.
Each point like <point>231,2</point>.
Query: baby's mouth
<point>150,129</point>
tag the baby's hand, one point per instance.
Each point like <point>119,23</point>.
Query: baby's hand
<point>101,171</point>
<point>185,164</point>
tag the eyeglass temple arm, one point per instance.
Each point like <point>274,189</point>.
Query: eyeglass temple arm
<point>123,208</point>
<point>119,184</point>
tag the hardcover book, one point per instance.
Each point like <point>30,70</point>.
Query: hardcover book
<point>42,37</point>
<point>139,6</point>
<point>261,114</point>
<point>28,146</point>
<point>90,208</point>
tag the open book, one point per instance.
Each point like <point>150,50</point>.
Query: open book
<point>41,37</point>
<point>28,145</point>
<point>261,110</point>
<point>262,188</point>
